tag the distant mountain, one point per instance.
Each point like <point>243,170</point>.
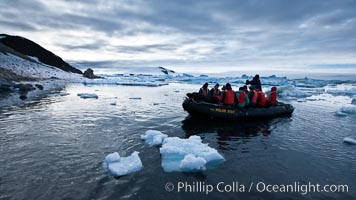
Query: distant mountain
<point>23,47</point>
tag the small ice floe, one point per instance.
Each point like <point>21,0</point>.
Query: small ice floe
<point>62,94</point>
<point>153,137</point>
<point>301,100</point>
<point>340,114</point>
<point>353,101</point>
<point>350,140</point>
<point>87,95</point>
<point>135,98</point>
<point>351,109</point>
<point>120,166</point>
<point>186,155</point>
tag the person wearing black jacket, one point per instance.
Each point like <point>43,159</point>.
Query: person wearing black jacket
<point>255,82</point>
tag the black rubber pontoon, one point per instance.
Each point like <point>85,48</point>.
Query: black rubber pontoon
<point>218,111</point>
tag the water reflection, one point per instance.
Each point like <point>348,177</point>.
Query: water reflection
<point>225,130</point>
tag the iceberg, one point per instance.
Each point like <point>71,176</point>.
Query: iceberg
<point>349,140</point>
<point>120,166</point>
<point>87,95</point>
<point>347,92</point>
<point>186,155</point>
<point>153,137</point>
<point>292,91</point>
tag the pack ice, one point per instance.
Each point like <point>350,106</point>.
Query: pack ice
<point>186,155</point>
<point>120,166</point>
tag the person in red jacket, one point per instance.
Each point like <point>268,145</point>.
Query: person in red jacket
<point>228,97</point>
<point>262,101</point>
<point>272,96</point>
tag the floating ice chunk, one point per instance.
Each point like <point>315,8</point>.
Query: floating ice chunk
<point>87,95</point>
<point>175,149</point>
<point>113,157</point>
<point>353,101</point>
<point>349,140</point>
<point>62,94</point>
<point>301,100</point>
<point>340,114</point>
<point>192,163</point>
<point>120,166</point>
<point>351,109</point>
<point>153,137</point>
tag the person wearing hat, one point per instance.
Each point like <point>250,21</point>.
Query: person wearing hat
<point>229,96</point>
<point>215,94</point>
<point>272,96</point>
<point>255,82</point>
<point>203,93</point>
<point>253,96</point>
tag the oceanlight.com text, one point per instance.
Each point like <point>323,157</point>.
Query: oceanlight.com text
<point>237,187</point>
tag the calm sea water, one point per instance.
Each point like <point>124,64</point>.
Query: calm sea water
<point>53,148</point>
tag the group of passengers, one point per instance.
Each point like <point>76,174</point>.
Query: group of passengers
<point>242,98</point>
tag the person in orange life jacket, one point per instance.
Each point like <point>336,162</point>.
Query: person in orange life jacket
<point>215,94</point>
<point>272,96</point>
<point>253,96</point>
<point>262,101</point>
<point>240,95</point>
<point>228,96</point>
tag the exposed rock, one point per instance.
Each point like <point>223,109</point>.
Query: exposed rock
<point>40,87</point>
<point>89,73</point>
<point>24,87</point>
<point>23,96</point>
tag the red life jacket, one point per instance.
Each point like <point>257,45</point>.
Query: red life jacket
<point>242,97</point>
<point>261,99</point>
<point>229,98</point>
<point>254,97</point>
<point>272,97</point>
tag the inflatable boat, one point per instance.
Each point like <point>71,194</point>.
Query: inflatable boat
<point>218,111</point>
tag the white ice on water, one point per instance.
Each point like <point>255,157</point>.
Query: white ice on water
<point>349,140</point>
<point>87,95</point>
<point>174,153</point>
<point>353,101</point>
<point>153,137</point>
<point>350,109</point>
<point>120,166</point>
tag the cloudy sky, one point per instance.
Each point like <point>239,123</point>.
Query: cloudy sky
<point>190,34</point>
